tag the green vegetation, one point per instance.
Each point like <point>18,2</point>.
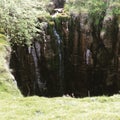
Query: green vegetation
<point>92,6</point>
<point>115,6</point>
<point>97,11</point>
<point>95,8</point>
<point>18,19</point>
<point>7,85</point>
<point>63,108</point>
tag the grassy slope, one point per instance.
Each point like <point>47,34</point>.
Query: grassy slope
<point>63,108</point>
<point>7,85</point>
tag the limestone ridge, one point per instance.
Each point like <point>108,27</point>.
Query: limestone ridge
<point>75,56</point>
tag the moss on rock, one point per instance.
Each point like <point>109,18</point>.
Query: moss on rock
<point>7,84</point>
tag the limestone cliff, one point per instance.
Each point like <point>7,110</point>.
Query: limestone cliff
<point>74,54</point>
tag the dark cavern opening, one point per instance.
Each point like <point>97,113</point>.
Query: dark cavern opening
<point>76,54</point>
<point>68,60</point>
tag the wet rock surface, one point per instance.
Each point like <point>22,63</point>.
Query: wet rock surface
<point>73,58</point>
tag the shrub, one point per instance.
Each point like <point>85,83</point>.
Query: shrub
<point>18,18</point>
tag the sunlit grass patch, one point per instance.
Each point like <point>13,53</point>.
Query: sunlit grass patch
<point>60,108</point>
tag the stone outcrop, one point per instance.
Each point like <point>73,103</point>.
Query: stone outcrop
<point>7,82</point>
<point>71,56</point>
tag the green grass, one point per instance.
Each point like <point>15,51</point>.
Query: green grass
<point>93,7</point>
<point>60,108</point>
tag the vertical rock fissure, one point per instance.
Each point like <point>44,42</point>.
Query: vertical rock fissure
<point>37,82</point>
<point>40,84</point>
<point>61,63</point>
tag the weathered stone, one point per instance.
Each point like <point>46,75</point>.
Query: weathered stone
<point>73,57</point>
<point>59,3</point>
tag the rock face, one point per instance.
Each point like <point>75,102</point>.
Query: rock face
<point>58,3</point>
<point>7,84</point>
<point>73,57</point>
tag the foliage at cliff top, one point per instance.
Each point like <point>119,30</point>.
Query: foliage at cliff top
<point>18,18</point>
<point>92,6</point>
